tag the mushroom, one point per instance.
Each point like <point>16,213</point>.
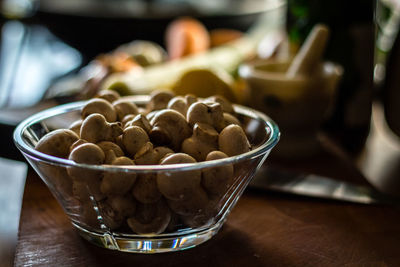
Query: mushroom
<point>141,121</point>
<point>95,129</point>
<point>57,143</point>
<point>118,183</point>
<point>209,113</point>
<point>159,100</point>
<point>108,146</point>
<point>216,180</point>
<point>151,114</point>
<point>150,218</point>
<point>230,119</point>
<point>76,126</point>
<point>194,204</point>
<point>203,141</point>
<point>178,185</point>
<point>58,178</point>
<point>169,128</point>
<point>145,189</point>
<point>147,155</point>
<point>100,106</point>
<point>109,95</point>
<point>133,138</point>
<point>87,153</point>
<point>181,104</point>
<point>225,104</point>
<point>124,107</point>
<point>127,119</point>
<point>77,143</point>
<point>115,209</point>
<point>233,141</point>
<point>190,99</point>
<point>90,154</point>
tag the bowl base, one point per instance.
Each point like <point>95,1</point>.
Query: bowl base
<point>148,244</point>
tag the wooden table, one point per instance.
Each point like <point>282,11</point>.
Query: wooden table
<point>264,229</point>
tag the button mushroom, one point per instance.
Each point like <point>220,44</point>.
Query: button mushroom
<point>77,143</point>
<point>225,104</point>
<point>147,155</point>
<point>169,128</point>
<point>233,141</point>
<point>159,100</point>
<point>203,141</point>
<point>76,126</point>
<point>87,153</point>
<point>179,104</point>
<point>109,95</point>
<point>216,180</point>
<point>108,146</point>
<point>230,119</point>
<point>150,218</point>
<point>100,106</point>
<point>181,184</point>
<point>57,143</point>
<point>118,183</point>
<point>95,129</point>
<point>115,209</point>
<point>133,139</point>
<point>124,107</point>
<point>209,113</point>
<point>145,189</point>
<point>182,103</point>
<point>141,121</point>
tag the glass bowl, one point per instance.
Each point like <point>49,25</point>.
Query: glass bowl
<point>160,224</point>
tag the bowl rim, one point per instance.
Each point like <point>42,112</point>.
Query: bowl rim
<point>271,128</point>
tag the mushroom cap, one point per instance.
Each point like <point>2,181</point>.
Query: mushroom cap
<point>141,121</point>
<point>124,107</point>
<point>169,128</point>
<point>225,104</point>
<point>145,189</point>
<point>216,180</point>
<point>87,153</point>
<point>159,99</point>
<point>178,185</point>
<point>150,218</point>
<point>57,143</point>
<point>101,106</point>
<point>209,113</point>
<point>133,139</point>
<point>109,95</point>
<point>76,126</point>
<point>95,128</point>
<point>233,141</point>
<point>118,183</point>
<point>179,104</point>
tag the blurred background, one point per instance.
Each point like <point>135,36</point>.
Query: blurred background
<point>56,42</point>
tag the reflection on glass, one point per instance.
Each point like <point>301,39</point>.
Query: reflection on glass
<point>387,19</point>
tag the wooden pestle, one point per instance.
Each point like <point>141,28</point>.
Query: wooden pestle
<point>310,52</point>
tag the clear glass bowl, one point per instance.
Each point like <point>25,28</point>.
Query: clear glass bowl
<point>161,225</point>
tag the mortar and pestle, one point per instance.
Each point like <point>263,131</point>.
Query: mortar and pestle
<point>297,93</point>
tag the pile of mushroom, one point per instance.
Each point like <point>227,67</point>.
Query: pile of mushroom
<point>168,130</point>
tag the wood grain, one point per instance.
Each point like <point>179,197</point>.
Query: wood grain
<point>264,229</point>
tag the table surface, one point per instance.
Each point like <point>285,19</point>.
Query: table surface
<point>264,229</point>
